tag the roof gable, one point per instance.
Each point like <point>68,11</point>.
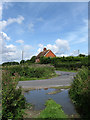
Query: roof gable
<point>45,52</point>
<point>41,54</point>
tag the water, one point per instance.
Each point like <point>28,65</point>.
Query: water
<point>39,97</point>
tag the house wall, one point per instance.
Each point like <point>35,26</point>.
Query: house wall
<point>37,60</point>
<point>50,54</point>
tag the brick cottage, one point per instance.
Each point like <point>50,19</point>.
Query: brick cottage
<point>45,53</point>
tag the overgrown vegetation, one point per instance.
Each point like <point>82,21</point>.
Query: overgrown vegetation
<point>31,71</point>
<point>10,63</point>
<point>70,63</point>
<point>52,111</point>
<point>80,92</point>
<point>13,102</point>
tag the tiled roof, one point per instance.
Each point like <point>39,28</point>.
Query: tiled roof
<point>41,54</point>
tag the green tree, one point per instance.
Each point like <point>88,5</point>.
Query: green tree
<point>22,61</point>
<point>32,60</point>
<point>81,55</point>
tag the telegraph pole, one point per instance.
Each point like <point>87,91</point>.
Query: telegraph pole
<point>78,52</point>
<point>22,54</point>
<point>22,58</point>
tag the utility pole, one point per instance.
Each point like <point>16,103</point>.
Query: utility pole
<point>22,54</point>
<point>78,52</point>
<point>22,58</point>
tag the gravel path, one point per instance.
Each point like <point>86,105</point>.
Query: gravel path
<point>64,79</point>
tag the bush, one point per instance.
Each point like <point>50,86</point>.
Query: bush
<point>45,60</point>
<point>13,102</point>
<point>32,71</point>
<point>52,110</point>
<point>71,63</point>
<point>22,61</point>
<point>80,92</point>
<point>10,63</point>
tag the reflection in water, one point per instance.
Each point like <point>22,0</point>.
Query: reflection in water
<point>39,97</point>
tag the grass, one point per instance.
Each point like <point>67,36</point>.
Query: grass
<point>54,92</point>
<point>52,110</point>
<point>62,87</point>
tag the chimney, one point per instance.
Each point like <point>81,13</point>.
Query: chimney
<point>44,49</point>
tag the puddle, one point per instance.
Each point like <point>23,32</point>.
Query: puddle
<point>39,97</point>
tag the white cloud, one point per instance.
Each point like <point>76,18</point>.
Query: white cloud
<point>62,44</point>
<point>39,50</point>
<point>59,47</point>
<point>13,53</point>
<point>65,55</point>
<point>41,45</point>
<point>11,46</point>
<point>10,52</point>
<point>4,23</point>
<point>20,41</point>
<point>77,52</point>
<point>4,36</point>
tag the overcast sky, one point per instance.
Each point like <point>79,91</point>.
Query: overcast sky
<point>61,27</point>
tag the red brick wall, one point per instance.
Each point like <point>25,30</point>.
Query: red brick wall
<point>50,54</point>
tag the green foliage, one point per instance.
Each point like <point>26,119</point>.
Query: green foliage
<point>32,72</point>
<point>81,55</point>
<point>45,60</point>
<point>13,102</point>
<point>32,60</point>
<point>52,110</point>
<point>10,63</point>
<point>80,92</point>
<point>71,63</point>
<point>22,61</point>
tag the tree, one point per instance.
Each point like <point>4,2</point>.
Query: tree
<point>22,61</point>
<point>81,55</point>
<point>32,60</point>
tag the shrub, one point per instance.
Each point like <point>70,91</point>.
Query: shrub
<point>10,63</point>
<point>22,61</point>
<point>80,92</point>
<point>32,71</point>
<point>13,102</point>
<point>66,62</point>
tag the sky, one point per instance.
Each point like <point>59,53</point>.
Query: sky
<point>31,26</point>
